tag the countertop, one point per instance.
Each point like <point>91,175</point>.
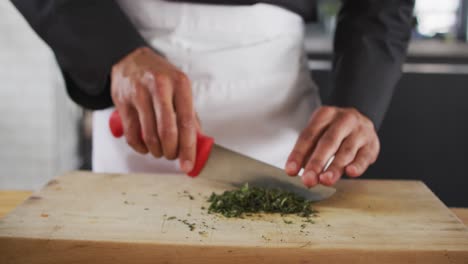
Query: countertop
<point>419,51</point>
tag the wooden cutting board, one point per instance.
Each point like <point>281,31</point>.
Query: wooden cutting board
<point>109,218</point>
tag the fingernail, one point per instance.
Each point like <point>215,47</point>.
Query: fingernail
<point>326,177</point>
<point>187,166</point>
<point>309,179</point>
<point>352,168</point>
<point>309,174</point>
<point>291,166</point>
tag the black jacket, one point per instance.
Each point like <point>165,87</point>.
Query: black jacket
<point>89,36</point>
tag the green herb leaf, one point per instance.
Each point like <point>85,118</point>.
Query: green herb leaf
<point>247,199</point>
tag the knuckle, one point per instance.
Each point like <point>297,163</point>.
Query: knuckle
<point>150,139</point>
<point>368,125</point>
<point>138,91</point>
<point>158,92</point>
<point>148,76</point>
<point>329,139</point>
<point>326,110</point>
<point>349,117</point>
<point>161,80</point>
<point>317,114</point>
<point>321,114</point>
<point>186,121</point>
<point>346,156</point>
<point>187,150</point>
<point>336,169</point>
<point>187,146</point>
<point>306,136</point>
<point>181,77</point>
<point>167,123</point>
<point>168,132</point>
<point>338,162</point>
<point>164,106</point>
<point>353,111</point>
<point>348,149</point>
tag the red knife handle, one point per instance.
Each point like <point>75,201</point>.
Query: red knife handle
<point>204,144</point>
<point>115,125</point>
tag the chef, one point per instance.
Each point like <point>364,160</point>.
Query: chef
<point>235,70</point>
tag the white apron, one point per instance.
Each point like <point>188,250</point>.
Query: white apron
<point>251,86</point>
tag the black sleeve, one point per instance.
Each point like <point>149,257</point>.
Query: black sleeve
<point>87,37</point>
<point>370,46</point>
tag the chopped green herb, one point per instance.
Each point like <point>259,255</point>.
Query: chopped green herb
<point>247,200</point>
<point>190,225</point>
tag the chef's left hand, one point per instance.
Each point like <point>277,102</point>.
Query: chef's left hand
<point>343,132</point>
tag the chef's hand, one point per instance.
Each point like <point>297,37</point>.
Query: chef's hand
<point>343,132</point>
<point>154,100</point>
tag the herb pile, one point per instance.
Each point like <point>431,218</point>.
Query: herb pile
<point>249,199</point>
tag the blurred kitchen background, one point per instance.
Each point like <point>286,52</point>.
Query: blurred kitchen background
<point>424,135</point>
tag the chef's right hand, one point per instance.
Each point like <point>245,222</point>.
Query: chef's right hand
<point>154,100</point>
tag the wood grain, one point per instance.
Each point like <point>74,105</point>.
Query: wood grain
<point>10,199</point>
<point>462,214</point>
<point>110,218</point>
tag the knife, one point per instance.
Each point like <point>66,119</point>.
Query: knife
<point>223,165</point>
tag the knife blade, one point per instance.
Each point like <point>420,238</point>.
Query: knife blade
<point>225,166</point>
<point>229,167</point>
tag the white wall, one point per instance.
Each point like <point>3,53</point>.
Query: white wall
<point>38,122</point>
